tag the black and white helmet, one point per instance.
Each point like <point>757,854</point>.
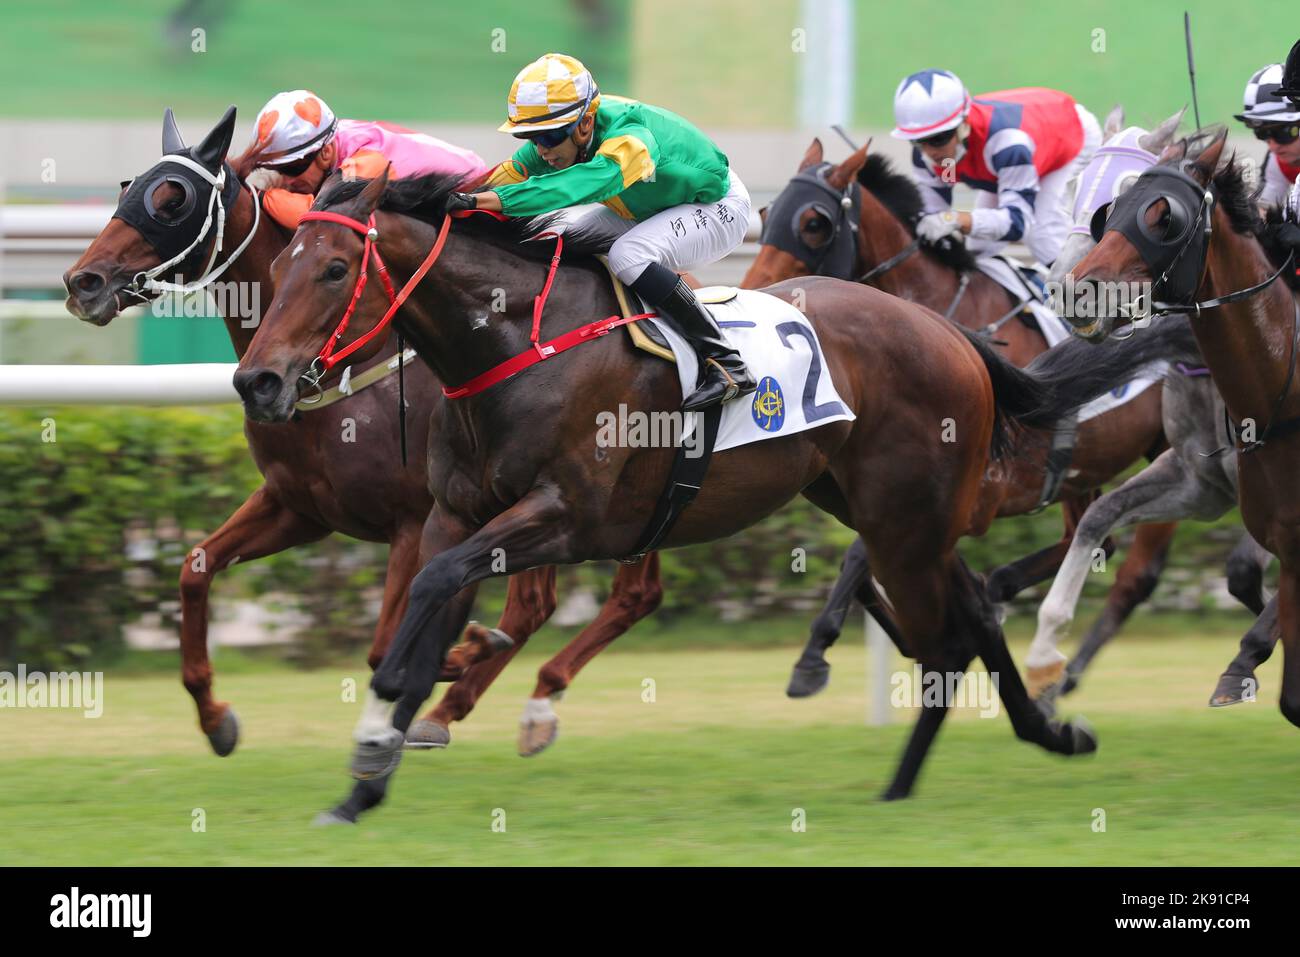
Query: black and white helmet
<point>1263,103</point>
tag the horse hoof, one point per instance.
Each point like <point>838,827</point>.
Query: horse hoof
<point>1083,736</point>
<point>498,641</point>
<point>1038,678</point>
<point>1070,683</point>
<point>330,818</point>
<point>807,680</point>
<point>377,756</point>
<point>425,735</point>
<point>896,794</point>
<point>538,728</point>
<point>226,736</point>
<point>1234,689</point>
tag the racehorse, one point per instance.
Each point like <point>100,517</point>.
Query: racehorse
<point>1189,232</point>
<point>869,235</point>
<point>315,482</point>
<point>1195,478</point>
<point>511,461</point>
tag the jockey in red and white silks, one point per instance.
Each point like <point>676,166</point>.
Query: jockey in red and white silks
<point>1019,148</point>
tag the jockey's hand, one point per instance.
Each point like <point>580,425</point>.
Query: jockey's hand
<point>458,201</point>
<point>936,226</point>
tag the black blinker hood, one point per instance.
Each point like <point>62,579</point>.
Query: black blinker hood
<point>1176,254</point>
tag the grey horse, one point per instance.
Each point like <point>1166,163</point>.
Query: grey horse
<point>1195,478</point>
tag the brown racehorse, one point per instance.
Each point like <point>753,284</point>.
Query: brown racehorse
<point>1247,324</point>
<point>884,250</point>
<point>512,469</point>
<point>315,482</point>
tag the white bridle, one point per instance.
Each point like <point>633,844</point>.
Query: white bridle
<point>151,284</point>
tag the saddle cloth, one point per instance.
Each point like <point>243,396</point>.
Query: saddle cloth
<point>777,342</point>
<point>1013,277</point>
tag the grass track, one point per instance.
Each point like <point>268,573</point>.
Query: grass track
<point>709,773</point>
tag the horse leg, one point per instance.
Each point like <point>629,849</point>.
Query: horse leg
<point>403,561</point>
<point>1245,567</point>
<point>1134,582</point>
<point>261,526</point>
<point>534,531</point>
<point>530,601</point>
<point>1165,490</point>
<point>1007,581</point>
<point>812,670</point>
<point>1238,682</point>
<point>637,591</point>
<point>1288,594</point>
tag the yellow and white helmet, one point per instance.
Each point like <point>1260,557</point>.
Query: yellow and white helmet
<point>550,93</point>
<point>293,125</point>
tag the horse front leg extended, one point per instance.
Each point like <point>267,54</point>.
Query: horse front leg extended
<point>1164,491</point>
<point>636,593</point>
<point>530,602</point>
<point>261,526</point>
<point>1007,581</point>
<point>812,671</point>
<point>534,531</point>
<point>1134,582</point>
<point>1238,682</point>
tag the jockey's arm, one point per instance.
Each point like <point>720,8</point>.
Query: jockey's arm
<point>936,194</point>
<point>1009,154</point>
<point>619,162</point>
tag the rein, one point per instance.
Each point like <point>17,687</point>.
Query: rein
<point>539,351</point>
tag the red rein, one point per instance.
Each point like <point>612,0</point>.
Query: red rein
<point>539,352</point>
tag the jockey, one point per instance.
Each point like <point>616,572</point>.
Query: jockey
<point>671,192</point>
<point>1019,148</point>
<point>1273,119</point>
<point>299,138</point>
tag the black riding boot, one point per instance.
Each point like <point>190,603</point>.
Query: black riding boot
<point>723,375</point>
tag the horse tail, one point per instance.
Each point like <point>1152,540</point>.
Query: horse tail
<point>1073,373</point>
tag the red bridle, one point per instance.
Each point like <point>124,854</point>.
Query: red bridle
<point>540,351</point>
<point>328,358</point>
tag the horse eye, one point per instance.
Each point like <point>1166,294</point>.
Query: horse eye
<point>335,271</point>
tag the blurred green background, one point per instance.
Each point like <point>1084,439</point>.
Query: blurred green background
<point>724,63</point>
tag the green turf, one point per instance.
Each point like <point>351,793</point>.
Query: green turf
<point>709,773</point>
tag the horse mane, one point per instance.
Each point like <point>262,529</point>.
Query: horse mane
<point>1238,199</point>
<point>425,198</point>
<point>900,195</point>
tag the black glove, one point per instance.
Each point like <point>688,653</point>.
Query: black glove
<point>1283,235</point>
<point>458,201</point>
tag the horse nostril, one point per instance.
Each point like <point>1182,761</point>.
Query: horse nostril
<point>260,386</point>
<point>86,282</point>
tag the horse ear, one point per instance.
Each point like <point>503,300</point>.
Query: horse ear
<point>171,137</point>
<point>368,199</point>
<point>1114,122</point>
<point>1159,138</point>
<point>848,171</point>
<point>212,151</point>
<point>813,156</point>
<point>1206,161</point>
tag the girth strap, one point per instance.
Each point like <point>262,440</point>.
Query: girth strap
<point>684,481</point>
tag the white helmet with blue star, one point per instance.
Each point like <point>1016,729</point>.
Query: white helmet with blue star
<point>927,103</point>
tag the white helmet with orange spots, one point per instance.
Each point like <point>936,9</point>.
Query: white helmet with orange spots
<point>293,125</point>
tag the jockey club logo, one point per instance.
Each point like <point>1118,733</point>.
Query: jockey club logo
<point>769,405</point>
